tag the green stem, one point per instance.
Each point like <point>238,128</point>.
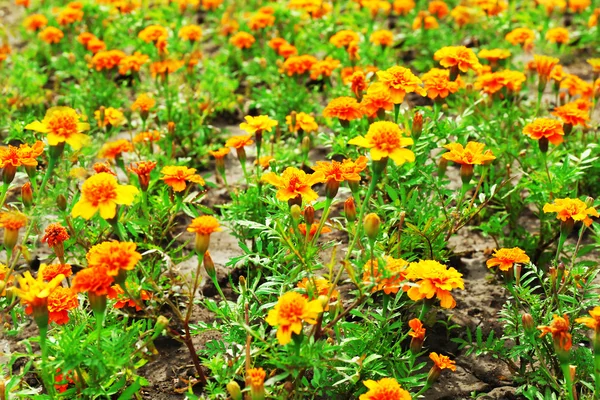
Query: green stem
<point>99,322</point>
<point>49,171</point>
<point>5,187</point>
<point>596,374</point>
<point>568,381</point>
<point>324,217</point>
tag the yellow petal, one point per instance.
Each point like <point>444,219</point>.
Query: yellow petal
<point>84,209</point>
<point>126,194</point>
<point>108,209</point>
<point>37,126</point>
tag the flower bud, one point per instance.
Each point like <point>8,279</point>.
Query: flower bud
<point>295,212</point>
<point>371,225</point>
<point>233,388</point>
<point>202,243</point>
<point>543,144</point>
<point>293,115</point>
<point>161,324</point>
<point>209,266</point>
<point>61,202</point>
<point>171,128</point>
<point>8,173</point>
<point>466,173</point>
<point>589,201</point>
<point>306,145</point>
<point>295,201</point>
<point>442,166</point>
<point>241,153</point>
<point>27,195</point>
<point>324,300</point>
<point>350,209</point>
<point>97,303</point>
<point>434,374</point>
<point>567,128</point>
<point>243,285</point>
<point>331,188</point>
<point>417,125</point>
<point>309,215</point>
<point>528,323</point>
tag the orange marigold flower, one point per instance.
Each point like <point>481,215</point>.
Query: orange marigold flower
<point>578,6</point>
<point>521,36</point>
<point>276,43</point>
<point>288,314</point>
<point>303,121</point>
<point>343,108</point>
<point>51,271</point>
<point>551,5</point>
<point>385,139</point>
<point>23,155</point>
<point>433,280</point>
<point>117,293</point>
<point>378,97</point>
<point>463,15</point>
<point>34,292</point>
<point>382,38</point>
<point>220,153</point>
<point>593,321</point>
<point>417,330</point>
<point>494,55</point>
<point>204,225</point>
<point>264,161</point>
<point>255,377</point>
<point>102,192</point>
<point>313,229</point>
<point>95,281</point>
<point>471,154</point>
<point>384,389</point>
<point>55,234</point>
<point>142,169</point>
<point>143,103</point>
<point>238,142</point>
<point>571,114</point>
<point>544,65</point>
<point>424,19</point>
<point>323,68</point>
<point>438,8</point>
<point>261,20</point>
<point>358,83</point>
<point>103,167</point>
<point>108,59</point>
<point>287,50</point>
<point>570,210</point>
<point>318,286</point>
<point>261,123</point>
<point>298,65</point>
<point>165,67</point>
<point>344,38</point>
<point>113,257</point>
<point>558,35</point>
<point>12,220</point>
<point>51,35</point>
<point>550,129</point>
<point>69,15</point>
<point>177,177</point>
<point>96,45</point>
<point>437,83</point>
<point>211,4</point>
<point>35,22</point>
<point>442,362</point>
<point>492,7</point>
<point>347,170</point>
<point>575,85</point>
<point>403,7</point>
<point>60,301</point>
<point>114,149</point>
<point>458,57</point>
<point>390,277</point>
<point>132,63</point>
<point>559,328</point>
<point>147,137</point>
<point>192,33</point>
<point>242,40</point>
<point>293,183</point>
<point>505,259</point>
<point>153,33</point>
<point>558,74</point>
<point>112,117</point>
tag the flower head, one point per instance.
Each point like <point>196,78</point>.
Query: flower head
<point>51,271</point>
<point>323,68</point>
<point>288,314</point>
<point>242,40</point>
<point>12,220</point>
<point>114,149</point>
<point>316,287</point>
<point>494,55</point>
<point>544,65</point>
<point>459,57</point>
<point>204,225</point>
<point>51,35</point>
<point>571,210</point>
<point>384,389</point>
<point>593,321</point>
<point>261,123</point>
<point>572,114</point>
<point>416,329</point>
<point>550,129</point>
<point>34,292</point>
<point>505,259</point>
<point>113,257</point>
<point>95,281</point>
<point>347,170</point>
<point>35,22</point>
<point>62,125</point>
<point>471,154</point>
<point>433,279</point>
<point>378,98</point>
<point>133,62</point>
<point>442,362</point>
<point>344,38</point>
<point>293,183</point>
<point>399,81</point>
<point>143,103</point>
<point>60,301</point>
<point>385,139</point>
<point>382,37</point>
<point>117,293</point>
<point>438,84</point>
<point>238,142</point>
<point>102,192</point>
<point>106,60</point>
<point>298,65</point>
<point>220,153</point>
<point>343,108</point>
<point>12,157</point>
<point>192,33</point>
<point>558,35</point>
<point>389,277</point>
<point>177,177</point>
<point>559,329</point>
<point>142,169</point>
<point>522,36</point>
<point>303,121</point>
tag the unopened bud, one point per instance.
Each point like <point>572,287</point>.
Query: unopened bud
<point>27,195</point>
<point>528,323</point>
<point>309,215</point>
<point>243,284</point>
<point>417,126</point>
<point>202,243</point>
<point>209,265</point>
<point>589,201</point>
<point>371,225</point>
<point>171,128</point>
<point>61,202</point>
<point>442,166</point>
<point>543,144</point>
<point>161,324</point>
<point>324,300</point>
<point>293,121</point>
<point>234,390</point>
<point>295,212</point>
<point>466,173</point>
<point>350,209</point>
<point>8,173</point>
<point>331,188</point>
<point>306,145</point>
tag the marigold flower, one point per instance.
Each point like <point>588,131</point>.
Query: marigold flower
<point>344,38</point>
<point>382,38</point>
<point>51,35</point>
<point>343,108</point>
<point>237,142</point>
<point>323,68</point>
<point>12,221</point>
<point>457,57</point>
<point>142,169</point>
<point>112,117</point>
<point>571,114</point>
<point>51,271</point>
<point>492,7</point>
<point>114,149</point>
<point>255,377</point>
<point>95,45</point>
<point>293,183</point>
<point>559,328</point>
<point>165,67</point>
<point>288,314</point>
<point>117,293</point>
<point>437,83</point>
<point>94,281</point>
<point>113,257</point>
<point>276,43</point>
<point>424,19</point>
<point>494,55</point>
<point>389,277</point>
<point>384,389</point>
<point>192,33</point>
<point>595,63</point>
<point>220,153</point>
<point>108,59</point>
<point>384,139</point>
<point>521,36</point>
<point>69,15</point>
<point>12,157</point>
<point>153,33</point>
<point>144,103</point>
<point>403,7</point>
<point>303,121</point>
<point>60,301</point>
<point>358,83</point>
<point>438,8</point>
<point>575,85</point>
<point>102,192</point>
<point>103,167</point>
<point>558,35</point>
<point>55,235</point>
<point>313,229</point>
<point>298,65</point>
<point>547,128</point>
<point>433,279</point>
<point>211,4</point>
<point>544,65</point>
<point>578,6</point>
<point>261,123</point>
<point>593,321</point>
<point>35,292</point>
<point>570,210</point>
<point>317,286</point>
<point>442,362</point>
<point>261,20</point>
<point>35,22</point>
<point>463,15</point>
<point>242,40</point>
<point>177,176</point>
<point>132,63</point>
<point>416,329</point>
<point>378,98</point>
<point>505,259</point>
<point>203,226</point>
<point>471,154</point>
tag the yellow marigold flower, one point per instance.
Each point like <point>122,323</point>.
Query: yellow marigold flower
<point>69,15</point>
<point>34,292</point>
<point>344,38</point>
<point>569,210</point>
<point>389,277</point>
<point>35,22</point>
<point>315,287</point>
<point>471,154</point>
<point>544,65</point>
<point>112,117</point>
<point>399,81</point>
<point>102,192</point>
<point>62,125</point>
<point>114,149</point>
<point>261,123</point>
<point>153,33</point>
<point>192,33</point>
<point>433,280</point>
<point>237,142</point>
<point>494,55</point>
<point>303,121</point>
<point>572,114</point>
<point>343,108</point>
<point>457,57</point>
<point>176,177</point>
<point>403,7</point>
<point>551,5</point>
<point>143,103</point>
<point>264,161</point>
<point>51,35</point>
<point>113,257</point>
<point>558,35</point>
<point>289,313</point>
<point>492,7</point>
<point>242,40</point>
<point>559,329</point>
<point>505,259</point>
<point>385,139</point>
<point>521,36</point>
<point>378,97</point>
<point>384,389</point>
<point>293,183</point>
<point>147,137</point>
<point>593,321</point>
<point>132,63</point>
<point>49,272</point>
<point>220,153</point>
<point>382,38</point>
<point>437,83</point>
<point>595,63</point>
<point>550,129</point>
